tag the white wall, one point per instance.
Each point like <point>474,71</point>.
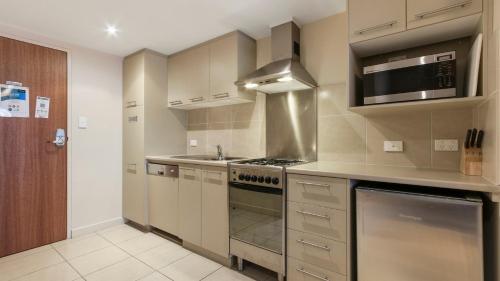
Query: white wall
<point>95,154</point>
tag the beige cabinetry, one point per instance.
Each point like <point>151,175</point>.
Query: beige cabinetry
<point>425,12</point>
<point>148,127</point>
<point>190,204</point>
<point>215,214</point>
<point>317,226</point>
<point>375,18</point>
<point>204,75</point>
<point>203,208</point>
<point>164,202</point>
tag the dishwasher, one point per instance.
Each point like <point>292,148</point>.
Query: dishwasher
<point>163,190</point>
<point>410,236</point>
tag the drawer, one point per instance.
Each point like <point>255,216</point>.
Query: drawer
<point>323,191</point>
<point>326,222</point>
<point>322,252</point>
<point>301,271</point>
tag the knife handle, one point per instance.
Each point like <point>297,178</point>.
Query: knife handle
<point>480,136</point>
<point>473,138</point>
<point>467,138</point>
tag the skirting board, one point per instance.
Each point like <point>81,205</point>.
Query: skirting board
<point>95,227</point>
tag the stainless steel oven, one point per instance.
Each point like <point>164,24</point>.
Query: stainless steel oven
<point>420,78</point>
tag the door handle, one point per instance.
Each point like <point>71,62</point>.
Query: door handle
<point>60,138</point>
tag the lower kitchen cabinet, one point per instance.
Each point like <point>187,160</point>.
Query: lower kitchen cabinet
<point>164,203</point>
<point>215,214</point>
<point>190,204</point>
<point>300,271</point>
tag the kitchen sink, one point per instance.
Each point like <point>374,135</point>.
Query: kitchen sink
<point>206,157</point>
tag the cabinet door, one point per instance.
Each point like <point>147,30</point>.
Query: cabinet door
<point>375,18</point>
<point>134,169</point>
<point>164,203</point>
<point>190,204</point>
<point>223,67</point>
<point>188,76</point>
<point>425,12</point>
<point>133,80</point>
<point>215,222</point>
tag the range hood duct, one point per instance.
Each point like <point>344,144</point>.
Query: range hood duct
<point>285,73</point>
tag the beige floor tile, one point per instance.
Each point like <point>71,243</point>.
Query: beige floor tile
<point>59,272</point>
<point>25,253</point>
<point>127,270</point>
<point>155,276</point>
<point>141,243</point>
<point>190,268</point>
<point>120,233</point>
<point>78,247</point>
<point>28,264</point>
<point>163,255</point>
<point>99,259</point>
<point>226,274</point>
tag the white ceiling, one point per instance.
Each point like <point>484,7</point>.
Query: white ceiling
<point>165,26</point>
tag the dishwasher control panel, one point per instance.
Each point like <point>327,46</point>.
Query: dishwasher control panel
<point>163,170</point>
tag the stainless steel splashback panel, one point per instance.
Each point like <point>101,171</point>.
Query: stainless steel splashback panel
<point>291,125</point>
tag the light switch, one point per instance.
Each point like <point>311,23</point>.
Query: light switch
<point>446,145</point>
<point>193,143</point>
<point>83,122</point>
<point>393,146</point>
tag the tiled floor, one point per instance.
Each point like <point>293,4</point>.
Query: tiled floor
<point>119,253</point>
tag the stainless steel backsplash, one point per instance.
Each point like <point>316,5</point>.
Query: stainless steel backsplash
<point>291,125</point>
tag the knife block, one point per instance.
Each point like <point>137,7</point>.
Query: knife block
<point>471,161</point>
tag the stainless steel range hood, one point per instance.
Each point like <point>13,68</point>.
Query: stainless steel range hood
<point>285,73</point>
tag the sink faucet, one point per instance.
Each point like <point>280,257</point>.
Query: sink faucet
<point>220,155</point>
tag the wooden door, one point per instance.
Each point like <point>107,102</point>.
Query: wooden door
<point>375,18</point>
<point>32,169</point>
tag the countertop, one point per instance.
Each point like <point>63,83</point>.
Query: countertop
<point>401,175</point>
<point>168,159</point>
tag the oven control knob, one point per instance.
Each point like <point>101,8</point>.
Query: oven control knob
<point>247,177</point>
<point>241,177</point>
<point>254,178</point>
<point>276,180</point>
<point>260,179</point>
<point>268,179</point>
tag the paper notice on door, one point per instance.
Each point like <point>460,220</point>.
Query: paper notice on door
<point>14,101</point>
<point>42,107</point>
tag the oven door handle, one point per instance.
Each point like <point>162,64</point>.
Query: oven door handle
<point>256,188</point>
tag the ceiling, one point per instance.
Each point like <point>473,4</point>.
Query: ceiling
<point>166,26</point>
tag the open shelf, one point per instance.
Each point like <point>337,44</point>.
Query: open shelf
<point>417,106</point>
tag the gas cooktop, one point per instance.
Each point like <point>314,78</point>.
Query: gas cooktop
<point>271,162</point>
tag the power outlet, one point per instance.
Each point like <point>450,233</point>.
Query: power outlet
<point>193,143</point>
<point>393,146</point>
<point>446,145</point>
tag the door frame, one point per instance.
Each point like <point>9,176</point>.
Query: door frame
<point>69,132</point>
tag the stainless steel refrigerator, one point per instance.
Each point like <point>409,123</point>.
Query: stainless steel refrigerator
<point>406,236</point>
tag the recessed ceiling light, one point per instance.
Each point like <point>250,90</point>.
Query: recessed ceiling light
<point>251,85</point>
<point>111,30</point>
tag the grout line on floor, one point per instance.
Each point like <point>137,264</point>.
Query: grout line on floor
<point>67,262</point>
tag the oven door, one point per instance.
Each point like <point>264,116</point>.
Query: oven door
<point>256,216</point>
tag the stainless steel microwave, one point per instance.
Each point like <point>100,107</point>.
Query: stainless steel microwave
<point>420,78</point>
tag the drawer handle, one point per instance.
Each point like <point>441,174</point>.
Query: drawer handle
<point>196,99</point>
<point>302,270</point>
<point>131,103</point>
<point>176,102</point>
<point>377,27</point>
<point>302,241</point>
<point>314,184</point>
<point>220,96</point>
<point>187,169</point>
<point>132,119</point>
<point>326,217</point>
<point>214,173</point>
<point>442,10</point>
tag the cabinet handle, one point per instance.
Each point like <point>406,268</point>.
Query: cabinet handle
<point>213,172</point>
<point>196,99</point>
<point>175,102</point>
<point>442,10</point>
<point>131,167</point>
<point>132,118</point>
<point>377,27</point>
<point>131,104</point>
<point>302,270</point>
<point>220,96</point>
<point>302,241</point>
<point>314,184</point>
<point>326,217</point>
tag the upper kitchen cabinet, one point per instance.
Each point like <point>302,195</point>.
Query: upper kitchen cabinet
<point>189,76</point>
<point>204,75</point>
<point>425,12</point>
<point>375,18</point>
